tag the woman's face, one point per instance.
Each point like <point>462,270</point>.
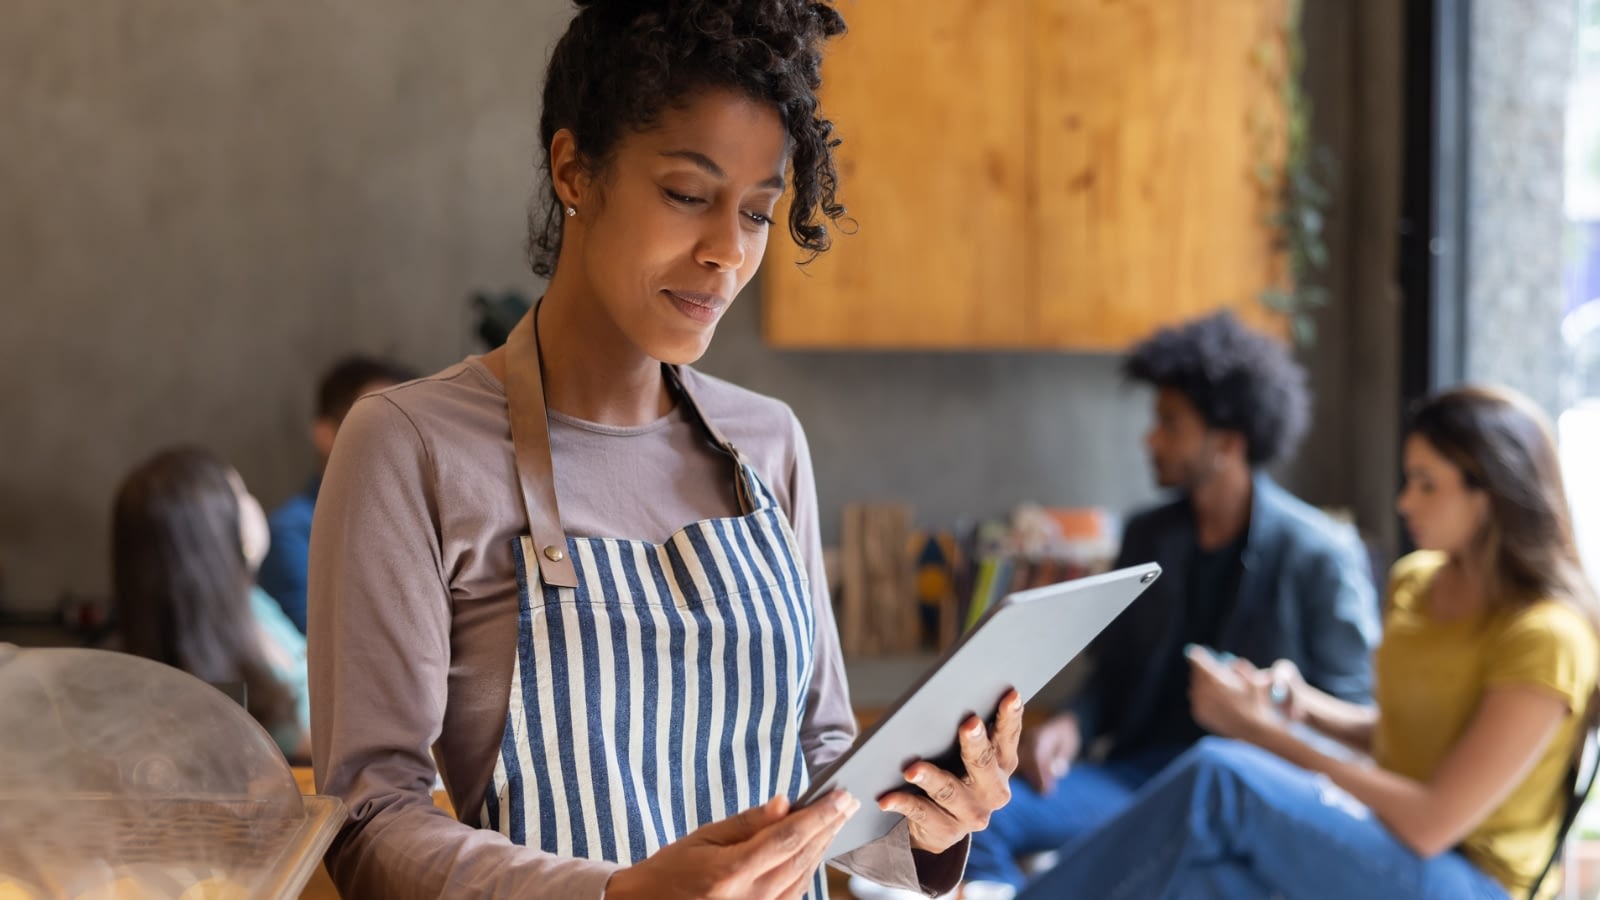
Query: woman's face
<point>678,223</point>
<point>254,536</point>
<point>1441,511</point>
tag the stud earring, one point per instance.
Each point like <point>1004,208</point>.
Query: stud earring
<point>572,211</point>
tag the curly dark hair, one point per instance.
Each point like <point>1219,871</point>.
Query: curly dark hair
<point>623,62</point>
<point>1236,379</point>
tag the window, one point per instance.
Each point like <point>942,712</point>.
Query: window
<point>1579,423</point>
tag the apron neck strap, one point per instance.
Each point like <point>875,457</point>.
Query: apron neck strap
<point>747,502</point>
<point>530,440</point>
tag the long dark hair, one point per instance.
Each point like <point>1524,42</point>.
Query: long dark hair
<point>180,578</point>
<point>1504,446</point>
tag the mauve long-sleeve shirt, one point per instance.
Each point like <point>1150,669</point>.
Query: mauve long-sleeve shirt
<point>413,616</point>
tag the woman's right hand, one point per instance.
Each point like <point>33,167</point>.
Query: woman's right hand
<point>763,853</point>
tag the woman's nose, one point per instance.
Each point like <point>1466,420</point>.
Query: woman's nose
<point>721,246</point>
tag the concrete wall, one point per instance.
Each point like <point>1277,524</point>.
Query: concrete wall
<point>204,204</point>
<point>956,433</point>
<point>1521,66</point>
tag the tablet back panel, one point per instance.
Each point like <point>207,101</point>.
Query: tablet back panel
<point>1023,642</point>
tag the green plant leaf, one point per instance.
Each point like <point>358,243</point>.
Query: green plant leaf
<point>1305,330</point>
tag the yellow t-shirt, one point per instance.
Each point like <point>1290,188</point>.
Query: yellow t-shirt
<point>1430,678</point>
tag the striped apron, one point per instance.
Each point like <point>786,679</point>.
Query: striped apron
<point>657,687</point>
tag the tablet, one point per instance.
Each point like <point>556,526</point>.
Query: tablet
<point>1022,642</point>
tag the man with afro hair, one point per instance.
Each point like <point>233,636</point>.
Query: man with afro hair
<point>1248,570</point>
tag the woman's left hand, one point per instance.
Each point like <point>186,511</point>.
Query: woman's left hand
<point>1229,698</point>
<point>956,806</point>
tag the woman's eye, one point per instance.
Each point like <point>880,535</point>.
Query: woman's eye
<point>759,218</point>
<point>685,199</point>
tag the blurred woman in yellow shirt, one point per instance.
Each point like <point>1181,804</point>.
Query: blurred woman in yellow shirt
<point>1485,687</point>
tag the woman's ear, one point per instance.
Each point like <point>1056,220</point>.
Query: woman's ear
<point>568,175</point>
<point>1482,508</point>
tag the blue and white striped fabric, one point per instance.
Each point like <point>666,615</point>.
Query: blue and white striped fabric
<point>664,693</point>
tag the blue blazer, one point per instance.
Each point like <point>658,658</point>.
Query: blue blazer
<point>1305,594</point>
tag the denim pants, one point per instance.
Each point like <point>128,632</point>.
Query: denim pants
<point>1088,796</point>
<point>1229,820</point>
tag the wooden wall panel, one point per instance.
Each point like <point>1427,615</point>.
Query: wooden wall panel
<point>931,100</point>
<point>1046,174</point>
<point>1145,149</point>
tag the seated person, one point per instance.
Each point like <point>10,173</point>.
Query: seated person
<point>1484,689</point>
<point>283,572</point>
<point>186,537</point>
<point>1247,568</point>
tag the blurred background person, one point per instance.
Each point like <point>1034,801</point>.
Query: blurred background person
<point>1247,568</point>
<point>186,538</point>
<point>283,572</point>
<point>1485,689</point>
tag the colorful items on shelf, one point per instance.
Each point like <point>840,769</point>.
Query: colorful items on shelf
<point>942,581</point>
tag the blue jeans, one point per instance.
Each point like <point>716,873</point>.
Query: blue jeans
<point>1087,797</point>
<point>1228,820</point>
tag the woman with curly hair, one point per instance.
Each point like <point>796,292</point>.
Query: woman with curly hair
<point>585,580</point>
<point>1456,782</point>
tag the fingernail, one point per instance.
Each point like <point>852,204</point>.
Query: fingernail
<point>844,803</point>
<point>1016,704</point>
<point>913,775</point>
<point>976,730</point>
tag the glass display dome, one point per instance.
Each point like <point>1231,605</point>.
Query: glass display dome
<point>125,778</point>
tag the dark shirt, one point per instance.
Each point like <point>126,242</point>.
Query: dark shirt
<point>1302,591</point>
<point>1211,588</point>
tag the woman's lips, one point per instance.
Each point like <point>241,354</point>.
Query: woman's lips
<point>701,307</point>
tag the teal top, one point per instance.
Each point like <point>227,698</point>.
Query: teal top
<point>286,652</point>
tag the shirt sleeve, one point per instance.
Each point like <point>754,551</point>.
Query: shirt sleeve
<point>830,727</point>
<point>1546,646</point>
<point>380,656</point>
<point>1342,623</point>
